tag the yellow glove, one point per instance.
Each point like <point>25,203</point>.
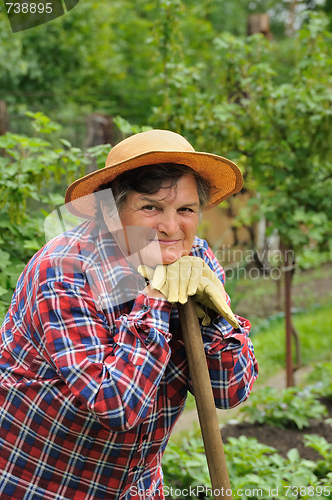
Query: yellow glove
<point>190,276</point>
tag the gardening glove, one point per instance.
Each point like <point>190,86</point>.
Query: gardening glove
<point>191,276</point>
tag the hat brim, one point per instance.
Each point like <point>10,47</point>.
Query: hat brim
<point>223,175</point>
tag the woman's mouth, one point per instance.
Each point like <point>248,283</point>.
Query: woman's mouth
<point>168,242</point>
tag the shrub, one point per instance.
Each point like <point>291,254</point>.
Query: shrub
<point>256,471</point>
<point>33,176</point>
<point>288,408</point>
<point>324,448</point>
<point>322,378</point>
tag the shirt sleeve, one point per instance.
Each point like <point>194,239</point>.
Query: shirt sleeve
<point>230,354</point>
<point>113,370</point>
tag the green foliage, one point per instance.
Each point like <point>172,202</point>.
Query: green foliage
<point>260,470</point>
<point>120,57</point>
<point>184,464</point>
<point>287,131</point>
<point>322,376</point>
<point>79,62</point>
<point>312,257</point>
<point>288,408</point>
<point>31,172</point>
<point>256,471</point>
<point>319,443</point>
<point>277,131</point>
<point>128,128</point>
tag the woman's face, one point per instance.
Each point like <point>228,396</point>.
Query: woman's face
<point>159,228</point>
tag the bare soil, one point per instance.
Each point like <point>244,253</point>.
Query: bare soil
<point>283,439</point>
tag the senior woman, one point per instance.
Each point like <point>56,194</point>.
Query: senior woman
<point>93,372</point>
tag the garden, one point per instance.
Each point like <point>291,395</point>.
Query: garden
<point>281,439</point>
<point>265,102</point>
<point>280,446</point>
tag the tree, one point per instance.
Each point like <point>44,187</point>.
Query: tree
<point>278,132</point>
<point>113,57</point>
<point>285,137</point>
<point>33,175</point>
<point>95,58</point>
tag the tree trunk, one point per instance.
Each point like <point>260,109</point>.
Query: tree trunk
<point>3,118</point>
<point>291,18</point>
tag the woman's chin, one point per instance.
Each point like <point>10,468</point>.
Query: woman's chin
<point>169,260</point>
<point>173,257</point>
<point>152,257</point>
<point>153,261</point>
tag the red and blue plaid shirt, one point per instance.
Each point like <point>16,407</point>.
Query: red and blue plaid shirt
<point>93,373</point>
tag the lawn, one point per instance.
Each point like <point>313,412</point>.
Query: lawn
<point>315,331</point>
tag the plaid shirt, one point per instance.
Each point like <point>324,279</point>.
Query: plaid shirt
<point>93,373</point>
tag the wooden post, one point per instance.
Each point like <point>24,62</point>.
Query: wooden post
<point>259,23</point>
<point>99,131</point>
<point>206,408</point>
<point>288,273</point>
<point>3,118</point>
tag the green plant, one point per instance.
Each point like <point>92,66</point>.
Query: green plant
<point>259,472</point>
<point>288,408</point>
<point>312,258</point>
<point>33,175</point>
<point>324,448</point>
<point>322,378</point>
<point>256,471</point>
<point>185,464</point>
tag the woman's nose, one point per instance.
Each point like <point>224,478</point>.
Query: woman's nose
<point>168,224</point>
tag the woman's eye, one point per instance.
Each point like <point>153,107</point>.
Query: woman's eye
<point>148,207</point>
<point>186,209</point>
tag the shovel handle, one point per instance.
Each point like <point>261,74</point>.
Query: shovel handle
<point>205,404</point>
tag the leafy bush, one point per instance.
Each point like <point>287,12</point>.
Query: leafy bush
<point>260,470</point>
<point>33,176</point>
<point>322,376</point>
<point>312,258</point>
<point>185,464</point>
<point>256,471</point>
<point>324,448</point>
<point>287,408</point>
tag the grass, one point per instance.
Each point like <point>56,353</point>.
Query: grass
<point>311,297</point>
<point>315,331</point>
<point>257,298</point>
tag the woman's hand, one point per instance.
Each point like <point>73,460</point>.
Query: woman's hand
<point>153,292</point>
<point>190,276</point>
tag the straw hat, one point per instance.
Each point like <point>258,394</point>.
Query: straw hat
<point>149,148</point>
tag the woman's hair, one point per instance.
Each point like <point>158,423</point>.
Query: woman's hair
<point>148,180</point>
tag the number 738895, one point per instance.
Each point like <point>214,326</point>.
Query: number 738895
<point>26,8</point>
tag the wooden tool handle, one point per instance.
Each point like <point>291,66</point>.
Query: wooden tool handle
<point>206,408</point>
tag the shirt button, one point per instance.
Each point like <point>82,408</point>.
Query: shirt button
<point>135,468</point>
<point>145,437</point>
<point>145,308</point>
